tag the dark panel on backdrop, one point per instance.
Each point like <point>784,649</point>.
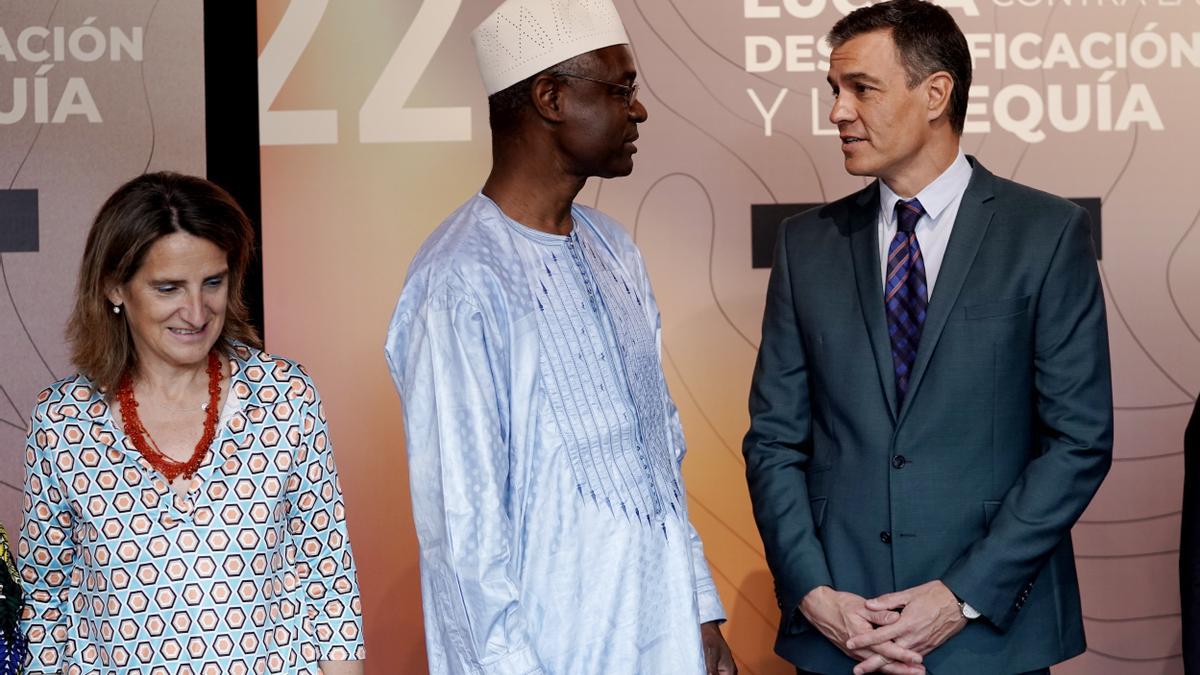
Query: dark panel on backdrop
<point>231,121</point>
<point>18,221</point>
<point>764,228</point>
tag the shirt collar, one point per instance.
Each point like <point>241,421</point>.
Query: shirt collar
<point>85,402</point>
<point>937,195</point>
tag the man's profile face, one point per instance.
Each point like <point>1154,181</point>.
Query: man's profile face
<point>598,138</point>
<point>882,123</point>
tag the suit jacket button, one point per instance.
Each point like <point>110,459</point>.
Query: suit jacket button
<point>885,537</point>
<point>899,461</point>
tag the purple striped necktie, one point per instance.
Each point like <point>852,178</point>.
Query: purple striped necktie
<point>905,294</point>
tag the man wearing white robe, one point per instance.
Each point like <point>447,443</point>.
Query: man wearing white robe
<point>544,448</point>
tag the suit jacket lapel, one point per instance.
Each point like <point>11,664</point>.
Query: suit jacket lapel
<point>974,216</point>
<point>864,245</point>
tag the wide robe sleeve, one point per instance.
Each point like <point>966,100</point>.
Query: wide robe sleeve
<point>45,551</point>
<point>707,599</point>
<point>443,354</point>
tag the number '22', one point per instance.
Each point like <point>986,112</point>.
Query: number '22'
<point>383,117</point>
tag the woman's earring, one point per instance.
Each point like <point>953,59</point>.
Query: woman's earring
<point>116,309</point>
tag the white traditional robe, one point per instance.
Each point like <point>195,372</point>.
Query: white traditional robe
<point>544,454</point>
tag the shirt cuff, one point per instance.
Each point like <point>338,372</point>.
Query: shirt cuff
<point>708,603</point>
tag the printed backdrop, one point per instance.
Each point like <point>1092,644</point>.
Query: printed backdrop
<point>374,127</point>
<point>91,95</point>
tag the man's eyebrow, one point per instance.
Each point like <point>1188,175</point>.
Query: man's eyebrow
<point>862,77</point>
<point>858,77</point>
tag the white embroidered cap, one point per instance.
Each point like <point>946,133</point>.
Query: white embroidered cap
<point>524,37</point>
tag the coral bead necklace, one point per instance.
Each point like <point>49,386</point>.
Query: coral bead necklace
<point>145,444</point>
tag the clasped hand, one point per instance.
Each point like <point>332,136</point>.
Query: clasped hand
<point>889,634</point>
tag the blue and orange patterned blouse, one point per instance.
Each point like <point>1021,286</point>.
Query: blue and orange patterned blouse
<point>250,572</point>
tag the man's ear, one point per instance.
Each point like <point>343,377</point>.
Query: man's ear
<point>938,86</point>
<point>547,94</point>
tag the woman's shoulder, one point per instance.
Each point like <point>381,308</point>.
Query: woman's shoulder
<point>262,375</point>
<point>70,397</point>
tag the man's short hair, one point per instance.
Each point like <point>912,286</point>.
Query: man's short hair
<point>505,106</point>
<point>927,41</point>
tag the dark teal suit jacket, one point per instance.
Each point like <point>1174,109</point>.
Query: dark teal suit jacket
<point>1002,440</point>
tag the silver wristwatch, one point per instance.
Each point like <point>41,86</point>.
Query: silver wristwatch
<point>969,613</point>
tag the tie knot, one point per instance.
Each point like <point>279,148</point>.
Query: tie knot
<point>907,215</point>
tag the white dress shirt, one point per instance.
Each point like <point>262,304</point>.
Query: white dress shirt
<point>941,200</point>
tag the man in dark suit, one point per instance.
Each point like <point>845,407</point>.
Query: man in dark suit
<point>1189,545</point>
<point>931,409</point>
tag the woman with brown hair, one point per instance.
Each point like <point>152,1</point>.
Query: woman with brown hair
<point>182,510</point>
